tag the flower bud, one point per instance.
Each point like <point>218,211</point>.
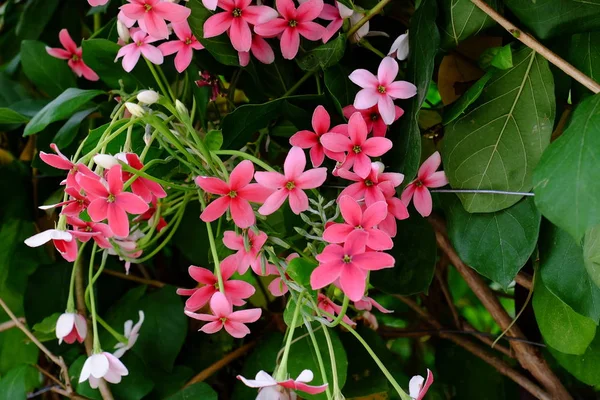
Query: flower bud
<point>71,327</point>
<point>181,108</point>
<point>106,161</point>
<point>135,109</point>
<point>148,134</point>
<point>147,97</point>
<point>123,31</point>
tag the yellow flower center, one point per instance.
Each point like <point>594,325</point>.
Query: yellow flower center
<point>381,89</point>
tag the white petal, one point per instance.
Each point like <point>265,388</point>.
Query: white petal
<point>262,379</point>
<point>64,325</point>
<point>305,376</point>
<point>46,236</point>
<point>400,47</point>
<point>135,109</point>
<point>81,325</point>
<point>127,328</point>
<point>344,11</point>
<point>106,161</point>
<point>415,385</point>
<point>147,96</point>
<point>98,365</point>
<point>94,382</point>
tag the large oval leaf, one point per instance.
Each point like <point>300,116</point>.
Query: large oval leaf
<point>585,367</point>
<point>567,179</point>
<point>461,19</point>
<point>584,54</point>
<point>591,254</point>
<point>49,74</point>
<point>498,143</point>
<point>497,245</point>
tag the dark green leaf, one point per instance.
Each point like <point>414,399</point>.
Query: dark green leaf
<point>499,57</point>
<point>9,116</point>
<point>192,231</point>
<point>220,47</point>
<point>591,254</point>
<point>424,40</point>
<point>60,108</point>
<point>29,107</point>
<point>290,309</point>
<point>341,89</point>
<point>47,325</point>
<point>563,272</point>
<point>567,179</point>
<point>457,108</point>
<point>461,19</point>
<point>499,142</point>
<point>584,367</point>
<point>213,140</point>
<point>549,18</point>
<point>35,17</point>
<point>196,391</point>
<point>10,91</point>
<point>497,245</point>
<point>562,328</point>
<point>49,74</point>
<point>415,254</point>
<point>584,54</point>
<point>65,135</point>
<point>300,269</point>
<point>323,56</point>
<point>18,382</point>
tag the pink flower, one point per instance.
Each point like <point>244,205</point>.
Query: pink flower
<point>206,79</point>
<point>247,257</point>
<point>396,210</point>
<point>312,140</point>
<point>295,23</point>
<point>238,14</point>
<point>73,206</point>
<point>63,241</point>
<point>367,303</point>
<point>381,89</point>
<point>111,202</point>
<point>74,54</point>
<point>184,47</point>
<point>277,287</point>
<point>71,327</point>
<point>151,216</point>
<point>235,195</point>
<point>269,388</point>
<point>259,49</point>
<point>139,46</point>
<point>290,184</point>
<point>83,231</point>
<point>326,304</point>
<point>151,15</point>
<point>418,386</point>
<point>147,189</point>
<point>102,366</point>
<point>96,3</point>
<point>357,146</point>
<point>235,291</point>
<point>370,188</point>
<point>356,219</point>
<point>426,178</point>
<point>60,161</point>
<point>223,316</point>
<point>350,264</point>
<point>331,13</point>
<point>373,118</point>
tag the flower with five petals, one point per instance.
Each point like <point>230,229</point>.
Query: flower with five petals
<point>427,177</point>
<point>75,56</point>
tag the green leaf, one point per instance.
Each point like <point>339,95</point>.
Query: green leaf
<point>499,57</point>
<point>12,92</point>
<point>424,36</point>
<point>591,254</point>
<point>302,356</point>
<point>290,308</point>
<point>190,233</point>
<point>9,116</point>
<point>497,245</point>
<point>198,390</point>
<point>584,54</point>
<point>563,272</point>
<point>213,140</point>
<point>60,108</point>
<point>497,144</point>
<point>35,17</point>
<point>323,56</point>
<point>67,133</point>
<point>562,328</point>
<point>19,381</point>
<point>567,179</point>
<point>300,269</point>
<point>47,325</point>
<point>461,19</point>
<point>583,367</point>
<point>549,18</point>
<point>415,253</point>
<point>49,74</point>
<point>220,47</point>
<point>340,88</point>
<point>457,108</point>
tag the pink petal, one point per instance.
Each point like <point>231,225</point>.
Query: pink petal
<point>350,210</point>
<point>336,142</point>
<point>397,208</point>
<point>379,240</point>
<point>241,175</point>
<point>233,241</point>
<point>320,120</point>
<point>373,260</point>
<point>58,53</point>
<point>388,225</point>
<point>290,43</point>
<point>430,166</point>
<point>277,287</point>
<point>114,178</point>
<point>239,289</point>
<point>171,47</point>
<point>201,317</point>
<point>133,11</point>
<point>356,242</point>
<point>271,28</point>
<point>152,54</point>
<point>92,186</point>
<point>202,275</point>
<point>366,98</point>
<point>217,24</point>
<point>387,71</point>
<point>243,58</point>
<point>298,201</point>
<point>311,30</point>
<point>326,273</point>
<point>172,12</point>
<point>386,109</point>
<point>313,178</point>
<point>220,306</point>
<point>155,25</point>
<point>364,79</point>
<point>257,15</point>
<point>131,203</point>
<point>273,202</point>
<point>212,185</point>
<point>199,298</point>
<point>401,90</point>
<point>236,329</point>
<point>357,130</point>
<point>437,179</point>
<point>242,213</point>
<point>131,56</point>
<point>255,193</point>
<point>374,214</point>
<point>98,210</point>
<point>246,316</point>
<point>212,327</point>
<point>117,220</point>
<point>377,146</point>
<point>310,389</point>
<point>317,155</point>
<point>309,10</point>
<point>362,164</point>
<point>88,73</point>
<point>305,139</point>
<point>331,253</point>
<point>286,9</point>
<point>294,164</point>
<point>240,35</point>
<point>353,282</point>
<point>215,209</point>
<point>66,41</point>
<point>261,50</point>
<point>56,161</point>
<point>337,233</point>
<point>422,201</point>
<point>379,127</point>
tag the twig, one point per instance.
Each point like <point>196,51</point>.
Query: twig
<point>370,14</point>
<point>56,360</point>
<point>524,279</point>
<point>562,122</point>
<point>205,373</point>
<point>448,297</point>
<point>532,43</point>
<point>528,356</point>
<point>488,340</point>
<point>10,324</point>
<point>67,394</point>
<point>49,375</point>
<point>133,278</point>
<point>492,360</point>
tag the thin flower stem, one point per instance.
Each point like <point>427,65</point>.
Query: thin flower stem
<point>379,363</point>
<point>162,74</point>
<point>482,191</point>
<point>213,246</point>
<point>97,348</point>
<point>342,312</point>
<point>110,330</point>
<point>315,344</point>
<point>97,22</point>
<point>156,77</point>
<point>370,14</point>
<point>140,173</point>
<point>282,370</point>
<point>365,43</point>
<point>76,264</point>
<point>336,384</point>
<point>297,85</point>
<point>105,140</point>
<point>238,153</point>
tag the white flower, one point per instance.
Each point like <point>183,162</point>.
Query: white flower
<point>106,161</point>
<point>147,97</point>
<point>418,387</point>
<point>399,48</point>
<point>102,366</point>
<point>131,333</point>
<point>71,327</point>
<point>210,4</point>
<point>271,389</point>
<point>362,31</point>
<point>123,31</point>
<point>46,236</point>
<point>181,108</point>
<point>135,109</point>
<point>344,11</point>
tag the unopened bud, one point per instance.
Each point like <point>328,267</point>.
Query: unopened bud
<point>123,31</point>
<point>148,134</point>
<point>106,161</point>
<point>147,97</point>
<point>135,109</point>
<point>181,108</point>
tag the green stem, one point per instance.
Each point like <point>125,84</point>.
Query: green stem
<point>342,312</point>
<point>156,77</point>
<point>110,330</point>
<point>315,344</point>
<point>380,364</point>
<point>370,14</point>
<point>139,173</point>
<point>213,246</point>
<point>318,81</point>
<point>105,140</point>
<point>238,153</point>
<point>336,384</point>
<point>307,75</point>
<point>97,22</point>
<point>365,43</point>
<point>97,347</point>
<point>162,74</point>
<point>77,264</point>
<point>282,370</point>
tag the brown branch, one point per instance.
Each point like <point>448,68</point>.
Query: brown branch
<point>528,356</point>
<point>56,360</point>
<point>50,376</point>
<point>448,297</point>
<point>492,360</point>
<point>524,279</point>
<point>562,122</point>
<point>10,324</point>
<point>134,278</point>
<point>487,340</point>
<point>207,372</point>
<point>532,43</point>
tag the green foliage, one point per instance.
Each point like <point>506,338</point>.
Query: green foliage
<point>497,144</point>
<point>469,97</point>
<point>584,55</point>
<point>323,56</point>
<point>300,269</point>
<point>497,245</point>
<point>591,254</point>
<point>8,116</point>
<point>339,87</point>
<point>198,390</point>
<point>566,182</point>
<point>585,366</point>
<point>49,74</point>
<point>461,19</point>
<point>19,381</point>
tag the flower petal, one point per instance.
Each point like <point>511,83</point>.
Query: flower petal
<point>387,71</point>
